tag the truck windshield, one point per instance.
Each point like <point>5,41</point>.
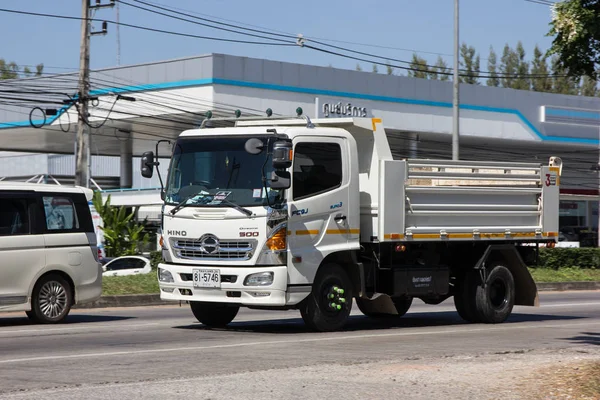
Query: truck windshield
<point>218,169</point>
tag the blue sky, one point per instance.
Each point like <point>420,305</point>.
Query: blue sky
<point>422,25</point>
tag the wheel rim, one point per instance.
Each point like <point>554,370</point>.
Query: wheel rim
<point>333,297</point>
<point>498,293</point>
<point>52,299</point>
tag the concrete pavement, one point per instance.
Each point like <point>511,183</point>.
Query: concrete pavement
<point>152,352</point>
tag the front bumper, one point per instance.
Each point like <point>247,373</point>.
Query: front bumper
<point>232,288</point>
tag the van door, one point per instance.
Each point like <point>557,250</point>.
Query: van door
<point>22,252</point>
<point>319,221</point>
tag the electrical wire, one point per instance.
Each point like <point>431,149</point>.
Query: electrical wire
<point>145,28</point>
<point>200,23</point>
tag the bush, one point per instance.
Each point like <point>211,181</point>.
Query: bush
<point>155,258</point>
<point>564,257</point>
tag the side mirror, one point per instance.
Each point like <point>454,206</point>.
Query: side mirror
<point>280,180</point>
<point>282,154</point>
<point>254,146</point>
<point>148,164</point>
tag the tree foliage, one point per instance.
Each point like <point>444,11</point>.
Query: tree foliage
<point>419,68</point>
<point>576,34</point>
<point>123,235</point>
<point>11,70</point>
<point>493,80</point>
<point>539,67</point>
<point>470,64</point>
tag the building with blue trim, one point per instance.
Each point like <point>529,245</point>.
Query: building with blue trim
<point>174,95</point>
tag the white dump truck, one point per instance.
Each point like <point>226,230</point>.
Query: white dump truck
<point>289,213</point>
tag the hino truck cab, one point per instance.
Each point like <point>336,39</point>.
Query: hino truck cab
<point>289,213</point>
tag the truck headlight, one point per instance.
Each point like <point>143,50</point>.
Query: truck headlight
<point>165,276</point>
<point>259,279</point>
<point>274,251</point>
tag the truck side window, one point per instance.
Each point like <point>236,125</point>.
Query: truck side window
<point>317,168</point>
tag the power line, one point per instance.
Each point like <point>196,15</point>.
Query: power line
<point>145,28</point>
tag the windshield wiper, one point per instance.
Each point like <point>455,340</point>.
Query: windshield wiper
<point>182,204</point>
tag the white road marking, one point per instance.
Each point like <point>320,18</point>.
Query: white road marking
<point>294,341</point>
<point>597,303</point>
<point>76,328</point>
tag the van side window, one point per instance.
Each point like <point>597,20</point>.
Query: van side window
<point>60,214</point>
<point>317,168</point>
<point>14,217</point>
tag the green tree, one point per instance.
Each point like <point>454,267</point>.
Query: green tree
<point>509,63</point>
<point>440,70</point>
<point>576,34</point>
<point>493,80</point>
<point>539,67</point>
<point>419,68</point>
<point>8,70</point>
<point>523,81</point>
<point>561,83</point>
<point>39,69</point>
<point>470,65</point>
<point>358,67</point>
<point>589,87</point>
<point>122,234</point>
<point>388,69</point>
<point>375,69</point>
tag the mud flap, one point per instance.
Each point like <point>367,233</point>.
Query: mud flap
<point>378,304</point>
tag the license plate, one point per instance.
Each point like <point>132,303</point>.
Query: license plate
<point>210,278</point>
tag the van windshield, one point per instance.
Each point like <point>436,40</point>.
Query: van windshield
<point>217,169</point>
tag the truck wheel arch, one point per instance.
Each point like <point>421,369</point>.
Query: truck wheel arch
<point>526,293</point>
<point>348,260</point>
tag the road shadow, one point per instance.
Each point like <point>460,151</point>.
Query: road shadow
<point>22,320</point>
<point>592,338</point>
<point>363,323</point>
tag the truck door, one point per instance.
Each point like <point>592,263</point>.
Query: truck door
<point>319,220</point>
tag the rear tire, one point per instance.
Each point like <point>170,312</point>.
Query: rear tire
<point>464,298</point>
<point>328,306</point>
<point>214,315</point>
<point>51,300</point>
<point>496,299</point>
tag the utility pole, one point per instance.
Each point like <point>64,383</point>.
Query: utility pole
<point>455,85</point>
<point>82,141</point>
<point>82,177</point>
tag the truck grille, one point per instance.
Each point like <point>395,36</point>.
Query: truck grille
<point>196,249</point>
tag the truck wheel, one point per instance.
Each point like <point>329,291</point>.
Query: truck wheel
<point>496,299</point>
<point>214,315</point>
<point>328,306</point>
<point>464,298</point>
<point>51,300</point>
<point>402,304</point>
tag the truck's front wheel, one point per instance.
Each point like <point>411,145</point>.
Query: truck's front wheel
<point>214,315</point>
<point>329,304</point>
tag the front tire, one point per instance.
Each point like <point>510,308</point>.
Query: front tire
<point>214,315</point>
<point>51,300</point>
<point>328,306</point>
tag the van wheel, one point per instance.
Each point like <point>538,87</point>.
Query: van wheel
<point>51,300</point>
<point>328,306</point>
<point>496,299</point>
<point>214,315</point>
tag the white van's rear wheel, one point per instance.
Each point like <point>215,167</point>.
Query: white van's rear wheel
<point>51,300</point>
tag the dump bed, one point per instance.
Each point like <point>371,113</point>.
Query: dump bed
<point>465,200</point>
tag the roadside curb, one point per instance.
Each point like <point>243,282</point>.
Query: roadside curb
<point>562,286</point>
<point>142,300</point>
<point>126,300</point>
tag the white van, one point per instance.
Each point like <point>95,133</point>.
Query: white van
<point>48,250</point>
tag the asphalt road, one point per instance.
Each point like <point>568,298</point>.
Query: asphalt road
<point>154,352</point>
